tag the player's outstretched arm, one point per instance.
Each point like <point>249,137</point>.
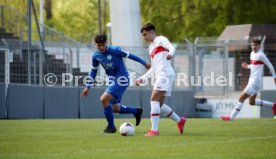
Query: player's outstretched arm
<point>133,57</point>
<point>138,59</point>
<point>143,78</point>
<point>85,92</point>
<point>148,66</point>
<point>270,66</point>
<point>139,81</point>
<point>89,83</point>
<point>92,75</point>
<point>245,65</point>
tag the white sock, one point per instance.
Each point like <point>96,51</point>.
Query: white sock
<point>236,110</point>
<point>264,103</point>
<point>155,115</point>
<point>168,112</point>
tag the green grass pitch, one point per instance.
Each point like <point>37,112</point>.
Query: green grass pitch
<point>81,139</point>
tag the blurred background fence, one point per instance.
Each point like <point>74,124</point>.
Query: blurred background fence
<point>196,62</point>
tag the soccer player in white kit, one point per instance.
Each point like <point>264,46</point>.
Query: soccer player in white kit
<point>257,60</point>
<point>161,52</point>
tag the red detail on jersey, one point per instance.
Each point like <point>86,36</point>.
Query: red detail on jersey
<point>157,50</point>
<point>256,62</point>
<point>155,114</point>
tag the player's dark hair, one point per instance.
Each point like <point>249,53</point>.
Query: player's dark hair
<point>256,41</point>
<point>100,38</point>
<point>147,27</point>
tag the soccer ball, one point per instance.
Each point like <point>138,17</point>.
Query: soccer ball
<point>127,129</point>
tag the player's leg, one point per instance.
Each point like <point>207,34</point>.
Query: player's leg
<point>122,109</point>
<point>254,101</point>
<point>237,108</point>
<point>262,103</point>
<point>117,92</point>
<point>105,98</point>
<point>165,109</point>
<point>168,112</point>
<point>156,97</point>
<point>250,90</point>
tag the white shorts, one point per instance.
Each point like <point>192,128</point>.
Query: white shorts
<point>252,89</point>
<point>164,83</point>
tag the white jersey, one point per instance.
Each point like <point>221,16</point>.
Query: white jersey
<point>158,50</point>
<point>256,67</point>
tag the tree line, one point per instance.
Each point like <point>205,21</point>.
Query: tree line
<point>175,19</point>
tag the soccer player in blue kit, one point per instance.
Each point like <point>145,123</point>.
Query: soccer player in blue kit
<point>111,59</point>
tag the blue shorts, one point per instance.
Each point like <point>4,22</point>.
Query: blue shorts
<point>117,92</point>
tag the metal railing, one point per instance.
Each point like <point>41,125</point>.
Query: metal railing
<point>206,58</point>
<point>64,50</point>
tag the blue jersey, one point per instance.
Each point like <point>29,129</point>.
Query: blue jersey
<point>114,66</point>
<point>112,61</point>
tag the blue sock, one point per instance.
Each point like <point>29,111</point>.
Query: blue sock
<point>109,116</point>
<point>127,110</point>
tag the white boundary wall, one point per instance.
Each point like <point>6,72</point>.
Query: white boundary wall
<point>225,106</point>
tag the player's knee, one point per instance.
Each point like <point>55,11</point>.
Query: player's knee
<point>154,98</point>
<point>252,103</point>
<point>104,100</point>
<point>242,99</point>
